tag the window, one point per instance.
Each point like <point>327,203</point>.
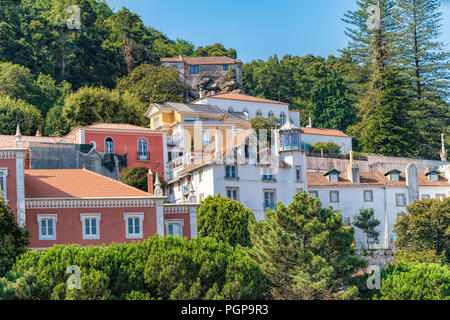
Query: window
<point>156,123</point>
<point>425,196</point>
<point>270,114</point>
<point>206,138</point>
<point>109,145</point>
<point>200,175</point>
<point>394,177</point>
<point>3,175</point>
<point>133,225</point>
<point>225,67</point>
<point>47,226</point>
<point>90,225</point>
<point>230,109</point>
<point>267,174</point>
<point>174,227</point>
<point>368,196</point>
<point>440,196</point>
<point>259,113</point>
<point>269,199</point>
<point>298,174</point>
<point>333,177</point>
<point>400,199</point>
<point>211,120</point>
<point>194,69</point>
<point>230,172</point>
<point>189,118</point>
<point>314,194</point>
<point>334,196</point>
<point>282,118</point>
<point>201,197</point>
<point>142,149</point>
<point>433,177</point>
<point>233,193</point>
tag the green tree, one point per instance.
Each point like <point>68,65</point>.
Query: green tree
<point>152,84</point>
<point>216,49</point>
<point>224,219</point>
<point>327,147</point>
<point>89,105</point>
<point>55,123</point>
<point>13,239</point>
<point>15,112</point>
<point>261,123</point>
<point>305,251</point>
<point>52,93</point>
<point>415,281</point>
<point>425,227</point>
<point>158,267</point>
<point>137,177</point>
<point>426,62</point>
<point>368,224</point>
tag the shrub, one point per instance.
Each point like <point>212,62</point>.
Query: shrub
<point>328,147</point>
<point>157,268</point>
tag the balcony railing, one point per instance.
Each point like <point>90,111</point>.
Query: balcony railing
<point>143,156</point>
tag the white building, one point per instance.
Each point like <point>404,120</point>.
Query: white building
<point>252,106</point>
<point>259,181</point>
<point>313,135</point>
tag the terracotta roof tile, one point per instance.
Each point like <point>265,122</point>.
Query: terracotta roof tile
<point>241,97</point>
<point>372,178</point>
<point>324,132</point>
<point>8,141</point>
<point>75,183</point>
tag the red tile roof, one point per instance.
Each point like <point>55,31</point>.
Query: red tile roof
<point>372,178</point>
<point>9,141</point>
<point>241,97</point>
<point>75,183</point>
<point>120,126</point>
<point>202,60</point>
<point>324,132</point>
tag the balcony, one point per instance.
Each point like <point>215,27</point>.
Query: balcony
<point>141,156</point>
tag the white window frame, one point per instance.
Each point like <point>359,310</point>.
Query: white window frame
<point>41,217</point>
<point>113,144</point>
<point>206,138</point>
<point>4,173</point>
<point>140,216</point>
<point>331,198</point>
<point>333,177</point>
<point>232,189</point>
<point>174,221</point>
<point>298,177</point>
<point>397,197</point>
<point>98,219</point>
<point>368,192</point>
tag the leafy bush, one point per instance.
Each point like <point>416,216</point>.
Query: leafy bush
<point>137,177</point>
<point>224,219</point>
<point>328,147</point>
<point>415,281</point>
<point>157,268</point>
<point>13,239</point>
<point>13,112</point>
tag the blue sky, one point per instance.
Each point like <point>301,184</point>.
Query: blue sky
<point>256,29</point>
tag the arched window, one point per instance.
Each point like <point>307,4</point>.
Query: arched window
<point>142,149</point>
<point>270,114</point>
<point>109,145</point>
<point>282,118</point>
<point>259,113</point>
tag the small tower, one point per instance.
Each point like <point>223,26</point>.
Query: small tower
<point>443,150</point>
<point>191,197</point>
<point>289,137</point>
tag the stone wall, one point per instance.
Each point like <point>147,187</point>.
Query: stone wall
<point>381,257</point>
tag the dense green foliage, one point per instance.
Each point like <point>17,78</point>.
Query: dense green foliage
<point>426,227</point>
<point>152,84</point>
<point>366,221</point>
<point>305,251</point>
<point>17,112</point>
<point>13,239</point>
<point>415,281</point>
<point>327,147</point>
<point>91,105</point>
<point>224,219</point>
<point>158,268</point>
<point>137,177</point>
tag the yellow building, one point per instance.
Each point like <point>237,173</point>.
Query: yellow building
<point>196,128</point>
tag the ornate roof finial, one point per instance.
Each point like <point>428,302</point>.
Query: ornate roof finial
<point>158,191</point>
<point>18,137</point>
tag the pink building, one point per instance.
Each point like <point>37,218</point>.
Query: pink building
<point>78,206</point>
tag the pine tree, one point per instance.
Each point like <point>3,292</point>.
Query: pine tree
<point>305,251</point>
<point>367,223</point>
<point>426,62</point>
